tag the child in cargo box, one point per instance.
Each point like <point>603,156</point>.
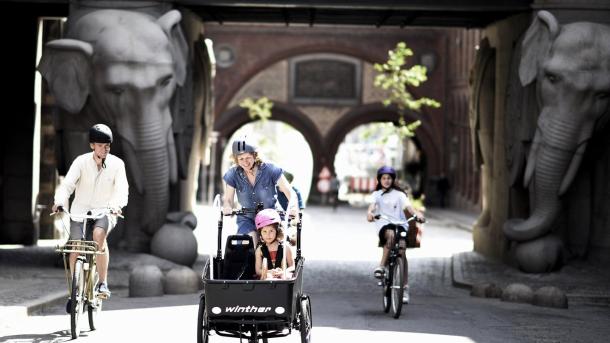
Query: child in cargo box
<point>273,257</point>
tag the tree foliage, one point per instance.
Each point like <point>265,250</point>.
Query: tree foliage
<point>394,77</point>
<point>258,109</point>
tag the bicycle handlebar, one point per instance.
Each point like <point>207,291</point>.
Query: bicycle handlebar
<point>99,215</point>
<point>400,222</point>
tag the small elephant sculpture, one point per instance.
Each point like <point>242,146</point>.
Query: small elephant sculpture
<point>121,68</point>
<point>571,65</point>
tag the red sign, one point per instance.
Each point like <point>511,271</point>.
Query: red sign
<point>324,173</point>
<point>323,185</point>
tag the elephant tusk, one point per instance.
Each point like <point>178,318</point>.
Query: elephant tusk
<point>173,163</point>
<point>531,159</point>
<point>133,166</point>
<point>572,169</point>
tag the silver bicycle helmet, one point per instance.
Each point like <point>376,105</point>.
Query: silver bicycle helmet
<point>241,146</point>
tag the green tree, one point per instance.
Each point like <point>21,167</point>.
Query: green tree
<point>258,109</point>
<point>394,77</point>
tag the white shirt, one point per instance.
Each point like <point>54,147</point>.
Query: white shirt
<point>103,188</point>
<point>391,204</point>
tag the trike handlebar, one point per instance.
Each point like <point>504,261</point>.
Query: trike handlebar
<point>245,211</point>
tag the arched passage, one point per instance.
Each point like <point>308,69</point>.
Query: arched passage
<point>368,46</point>
<point>377,112</point>
<point>233,119</point>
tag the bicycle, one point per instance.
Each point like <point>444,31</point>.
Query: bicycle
<point>393,281</point>
<point>84,278</point>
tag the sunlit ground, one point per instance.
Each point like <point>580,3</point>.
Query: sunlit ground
<point>149,322</point>
<point>326,235</point>
<point>388,336</point>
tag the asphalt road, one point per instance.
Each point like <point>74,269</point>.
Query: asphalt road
<point>341,253</point>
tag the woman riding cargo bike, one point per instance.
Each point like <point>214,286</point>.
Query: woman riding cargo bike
<point>254,182</point>
<point>390,206</point>
<point>246,298</point>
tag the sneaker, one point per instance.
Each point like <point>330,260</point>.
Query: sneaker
<point>405,295</point>
<point>103,291</point>
<point>69,306</point>
<point>379,272</point>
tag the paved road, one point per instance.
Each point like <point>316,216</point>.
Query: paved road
<point>341,252</point>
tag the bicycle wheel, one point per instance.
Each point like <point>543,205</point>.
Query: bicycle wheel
<point>397,284</point>
<point>77,296</point>
<point>94,306</point>
<point>203,334</point>
<point>305,319</point>
<point>386,288</point>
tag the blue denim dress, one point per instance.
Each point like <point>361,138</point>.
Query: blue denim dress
<point>263,191</point>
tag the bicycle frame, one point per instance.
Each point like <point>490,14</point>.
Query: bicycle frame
<point>87,250</point>
<point>393,283</point>
<point>82,293</point>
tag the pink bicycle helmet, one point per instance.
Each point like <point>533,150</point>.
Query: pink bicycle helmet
<point>266,217</point>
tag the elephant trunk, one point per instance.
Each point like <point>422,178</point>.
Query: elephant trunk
<point>154,164</point>
<point>554,152</point>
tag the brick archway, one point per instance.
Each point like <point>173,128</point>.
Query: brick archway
<point>237,117</point>
<point>377,112</point>
<point>366,45</point>
<point>270,60</point>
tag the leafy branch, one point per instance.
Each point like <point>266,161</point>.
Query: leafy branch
<point>394,77</point>
<point>260,108</point>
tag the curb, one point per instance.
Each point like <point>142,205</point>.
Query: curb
<point>458,281</point>
<point>588,299</point>
<point>448,220</point>
<point>457,278</point>
<point>45,302</point>
<point>32,306</point>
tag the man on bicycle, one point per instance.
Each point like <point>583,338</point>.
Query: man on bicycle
<point>99,182</point>
<point>390,200</point>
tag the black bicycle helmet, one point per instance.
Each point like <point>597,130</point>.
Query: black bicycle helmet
<point>386,170</point>
<point>100,133</point>
<point>241,146</point>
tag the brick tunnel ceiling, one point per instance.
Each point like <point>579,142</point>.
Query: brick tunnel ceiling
<point>375,13</point>
<point>379,13</point>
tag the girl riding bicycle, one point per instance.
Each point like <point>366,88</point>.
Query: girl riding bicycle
<point>273,257</point>
<point>390,200</point>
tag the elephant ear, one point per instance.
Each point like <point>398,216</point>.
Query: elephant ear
<point>66,65</point>
<point>536,45</point>
<point>169,22</point>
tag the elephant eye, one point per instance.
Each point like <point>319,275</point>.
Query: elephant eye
<point>116,90</point>
<point>602,95</point>
<point>553,78</point>
<point>165,81</point>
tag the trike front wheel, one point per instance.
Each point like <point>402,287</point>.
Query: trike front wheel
<point>203,333</point>
<point>305,319</point>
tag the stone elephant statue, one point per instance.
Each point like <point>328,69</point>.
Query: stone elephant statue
<point>121,68</point>
<point>571,65</point>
